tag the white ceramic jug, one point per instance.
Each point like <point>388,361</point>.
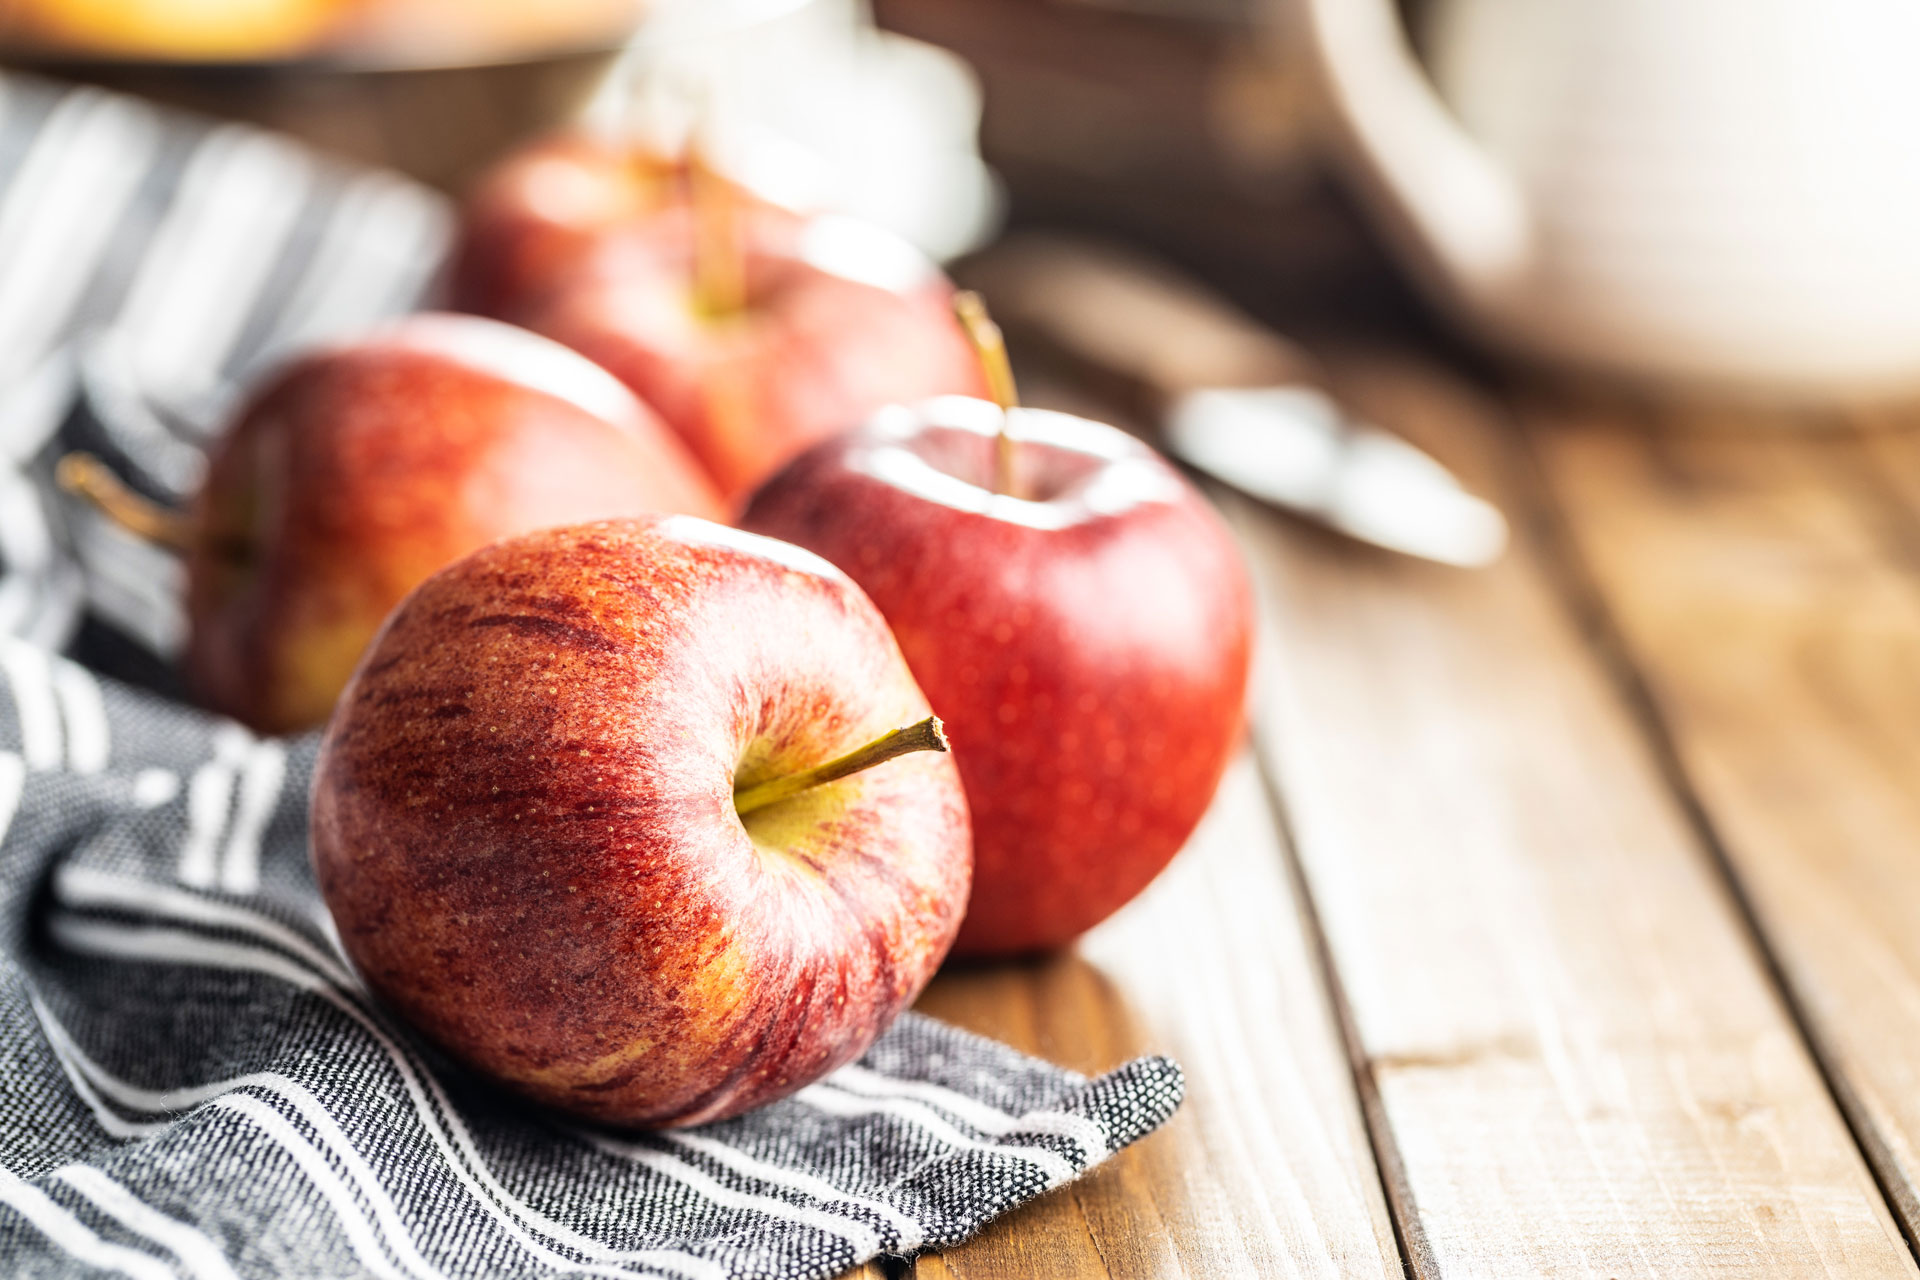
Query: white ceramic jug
<point>1701,191</point>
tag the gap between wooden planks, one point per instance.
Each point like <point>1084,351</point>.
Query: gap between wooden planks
<point>1760,581</point>
<point>1265,1170</point>
<point>1583,1065</point>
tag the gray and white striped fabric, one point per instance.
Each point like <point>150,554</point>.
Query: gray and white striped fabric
<point>193,1082</point>
<point>157,263</point>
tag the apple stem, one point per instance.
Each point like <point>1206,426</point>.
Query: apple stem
<point>719,256</point>
<point>990,346</point>
<point>88,477</point>
<point>926,735</point>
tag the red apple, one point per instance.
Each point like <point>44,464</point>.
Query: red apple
<point>360,469</point>
<point>531,222</point>
<point>837,318</point>
<point>533,820</point>
<point>1087,641</point>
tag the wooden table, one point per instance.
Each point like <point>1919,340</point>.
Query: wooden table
<point>1560,919</point>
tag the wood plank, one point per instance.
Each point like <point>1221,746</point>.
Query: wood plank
<point>1764,585</point>
<point>1582,1066</point>
<point>1265,1171</point>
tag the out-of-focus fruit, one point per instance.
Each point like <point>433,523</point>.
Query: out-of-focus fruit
<point>359,470</point>
<point>833,319</point>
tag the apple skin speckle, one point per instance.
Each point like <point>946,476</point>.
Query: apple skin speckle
<point>579,912</point>
<point>1087,643</point>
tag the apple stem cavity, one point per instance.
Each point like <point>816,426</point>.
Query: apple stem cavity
<point>990,346</point>
<point>719,256</point>
<point>925,735</point>
<point>88,477</point>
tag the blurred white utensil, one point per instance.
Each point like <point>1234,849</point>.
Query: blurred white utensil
<point>1294,448</point>
<point>1231,398</point>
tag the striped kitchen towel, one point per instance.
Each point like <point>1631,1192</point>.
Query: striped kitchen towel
<point>193,1082</point>
<point>149,265</point>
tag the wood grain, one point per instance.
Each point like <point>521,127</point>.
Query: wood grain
<point>1763,585</point>
<point>1582,1065</point>
<point>1265,1170</point>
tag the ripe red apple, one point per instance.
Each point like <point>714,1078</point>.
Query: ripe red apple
<point>360,469</point>
<point>535,820</point>
<point>1086,641</point>
<point>531,221</point>
<point>835,319</point>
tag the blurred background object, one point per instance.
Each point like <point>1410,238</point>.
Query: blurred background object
<point>806,103</point>
<point>1714,195</point>
<point>398,32</point>
<point>1718,192</point>
<point>430,87</point>
<point>1191,126</point>
<point>804,98</point>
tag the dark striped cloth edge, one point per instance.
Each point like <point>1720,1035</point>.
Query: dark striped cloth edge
<point>193,1083</point>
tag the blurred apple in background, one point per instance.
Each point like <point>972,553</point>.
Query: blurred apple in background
<point>1083,626</point>
<point>609,739</point>
<point>754,331</point>
<point>534,219</point>
<point>828,320</point>
<point>358,470</point>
